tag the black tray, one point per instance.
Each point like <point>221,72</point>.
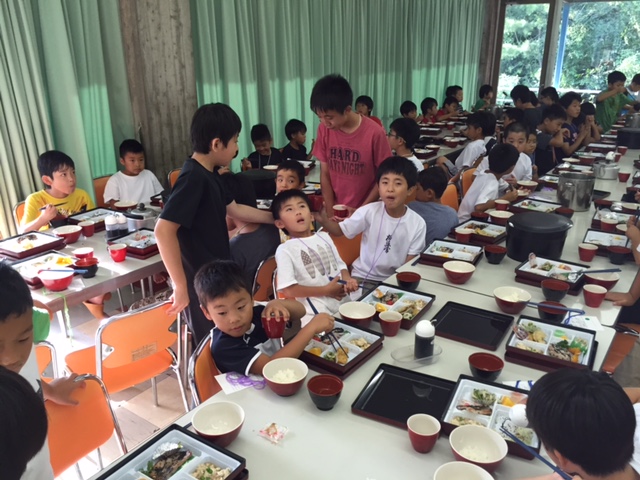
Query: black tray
<point>471,325</point>
<point>393,394</point>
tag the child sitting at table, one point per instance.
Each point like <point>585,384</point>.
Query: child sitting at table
<point>296,132</point>
<point>429,109</point>
<point>588,109</point>
<point>439,218</point>
<point>550,136</point>
<point>549,96</point>
<point>522,96</point>
<point>456,92</point>
<point>516,134</point>
<point>59,199</point>
<point>364,106</point>
<point>392,234</point>
<point>485,188</point>
<point>403,135</point>
<point>408,109</point>
<point>509,116</point>
<point>485,95</point>
<point>239,342</point>
<point>449,109</point>
<point>264,154</point>
<point>576,132</point>
<point>134,182</point>
<point>530,150</point>
<point>289,176</point>
<point>611,102</point>
<point>309,266</point>
<point>17,353</point>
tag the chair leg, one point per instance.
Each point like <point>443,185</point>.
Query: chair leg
<point>154,391</point>
<point>183,392</point>
<point>100,459</point>
<point>63,323</point>
<point>120,298</point>
<point>79,472</point>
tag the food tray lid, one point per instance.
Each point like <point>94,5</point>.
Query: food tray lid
<point>558,267</point>
<point>95,215</point>
<point>38,241</point>
<point>605,239</point>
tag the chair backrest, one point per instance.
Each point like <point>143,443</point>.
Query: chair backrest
<point>99,185</point>
<point>202,372</point>
<point>173,176</point>
<point>263,281</point>
<point>349,250</point>
<point>18,213</point>
<point>45,356</point>
<point>467,179</point>
<point>76,431</point>
<point>135,336</point>
<point>450,197</point>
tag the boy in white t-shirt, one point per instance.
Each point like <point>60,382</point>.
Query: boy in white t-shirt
<point>17,354</point>
<point>485,188</point>
<point>133,183</point>
<point>309,266</point>
<point>391,233</point>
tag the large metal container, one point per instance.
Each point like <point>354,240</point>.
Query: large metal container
<point>575,190</point>
<point>632,121</point>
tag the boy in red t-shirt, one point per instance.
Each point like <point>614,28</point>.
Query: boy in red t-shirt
<point>349,146</point>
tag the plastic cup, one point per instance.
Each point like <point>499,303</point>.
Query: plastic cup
<point>84,252</point>
<point>118,252</point>
<point>608,224</point>
<point>88,228</point>
<point>423,432</point>
<point>340,211</point>
<point>273,326</point>
<point>587,251</point>
<point>502,204</point>
<point>390,323</point>
<point>463,235</point>
<point>594,295</point>
<point>623,176</point>
<point>316,202</point>
<point>622,150</point>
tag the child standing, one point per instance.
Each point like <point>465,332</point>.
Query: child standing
<point>549,137</point>
<point>449,109</point>
<point>133,182</point>
<point>408,109</point>
<point>192,228</point>
<point>239,342</point>
<point>549,96</point>
<point>309,265</point>
<point>364,106</point>
<point>392,234</point>
<point>485,95</point>
<point>349,146</point>
<point>485,189</point>
<point>264,154</point>
<point>439,218</point>
<point>403,135</point>
<point>60,197</point>
<point>611,102</point>
<point>296,132</point>
<point>429,108</point>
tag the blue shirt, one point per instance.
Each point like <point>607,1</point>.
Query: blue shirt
<point>440,219</point>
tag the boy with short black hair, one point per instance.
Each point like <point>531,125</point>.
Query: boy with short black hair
<point>17,353</point>
<point>449,109</point>
<point>309,266</point>
<point>403,135</point>
<point>364,106</point>
<point>485,95</point>
<point>59,199</point>
<point>549,96</point>
<point>485,188</point>
<point>408,109</point>
<point>429,109</point>
<point>392,234</point>
<point>521,96</point>
<point>439,218</point>
<point>289,176</point>
<point>239,342</point>
<point>576,134</point>
<point>550,135</point>
<point>611,102</point>
<point>588,109</point>
<point>296,132</point>
<point>264,154</point>
<point>456,92</point>
<point>510,115</point>
<point>349,146</point>
<point>134,182</point>
<point>192,228</point>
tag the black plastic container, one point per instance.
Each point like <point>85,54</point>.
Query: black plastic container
<point>629,137</point>
<point>541,233</point>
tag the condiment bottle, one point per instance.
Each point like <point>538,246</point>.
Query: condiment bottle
<point>424,342</point>
<point>123,228</point>
<point>111,226</point>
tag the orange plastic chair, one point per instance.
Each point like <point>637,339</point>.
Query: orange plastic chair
<point>621,346</point>
<point>141,342</point>
<point>467,179</point>
<point>263,281</point>
<point>76,431</point>
<point>349,250</point>
<point>99,184</point>
<point>18,213</point>
<point>202,372</point>
<point>173,176</point>
<point>450,197</point>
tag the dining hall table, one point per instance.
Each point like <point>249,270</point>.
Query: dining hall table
<point>341,444</point>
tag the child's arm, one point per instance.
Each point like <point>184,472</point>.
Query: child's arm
<point>610,93</point>
<point>322,322</point>
<point>248,214</point>
<point>446,116</point>
<point>510,196</point>
<point>557,140</point>
<point>327,188</point>
<point>582,134</point>
<point>633,394</point>
<point>352,284</point>
<point>49,213</point>
<point>327,224</point>
<point>627,299</point>
<point>310,156</point>
<point>166,233</point>
<point>59,390</point>
<point>332,289</point>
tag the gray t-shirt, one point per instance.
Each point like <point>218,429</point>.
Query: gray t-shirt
<point>440,219</point>
<point>249,249</point>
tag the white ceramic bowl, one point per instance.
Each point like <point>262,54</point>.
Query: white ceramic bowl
<point>478,445</point>
<point>219,422</point>
<point>358,313</point>
<point>461,471</point>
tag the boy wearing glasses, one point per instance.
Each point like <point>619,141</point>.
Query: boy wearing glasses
<point>403,134</point>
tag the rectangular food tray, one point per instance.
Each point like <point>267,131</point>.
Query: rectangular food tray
<point>495,233</point>
<point>398,305</point>
<point>16,247</point>
<point>96,215</point>
<point>527,205</point>
<point>604,240</point>
<point>461,251</point>
<point>140,244</point>
<point>525,274</point>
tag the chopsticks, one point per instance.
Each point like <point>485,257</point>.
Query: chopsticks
<point>555,307</point>
<point>56,205</point>
<point>535,454</point>
<point>342,282</point>
<point>332,338</point>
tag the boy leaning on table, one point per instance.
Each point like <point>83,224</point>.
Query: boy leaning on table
<point>239,342</point>
<point>17,353</point>
<point>611,102</point>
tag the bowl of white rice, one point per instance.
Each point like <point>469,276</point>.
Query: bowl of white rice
<point>285,376</point>
<point>478,445</point>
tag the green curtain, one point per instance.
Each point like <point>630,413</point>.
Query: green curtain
<point>263,57</point>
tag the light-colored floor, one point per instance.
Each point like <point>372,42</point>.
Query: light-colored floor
<point>138,417</point>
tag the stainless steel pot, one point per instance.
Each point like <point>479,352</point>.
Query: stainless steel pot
<point>606,170</point>
<point>575,190</point>
<point>141,217</point>
<point>632,121</point>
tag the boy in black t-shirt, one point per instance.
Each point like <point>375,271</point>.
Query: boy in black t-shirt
<point>239,342</point>
<point>550,135</point>
<point>192,229</point>
<point>265,154</point>
<point>296,132</point>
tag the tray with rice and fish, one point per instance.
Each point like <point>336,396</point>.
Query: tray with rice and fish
<point>412,306</point>
<point>29,244</point>
<point>441,251</point>
<point>536,269</point>
<point>483,233</point>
